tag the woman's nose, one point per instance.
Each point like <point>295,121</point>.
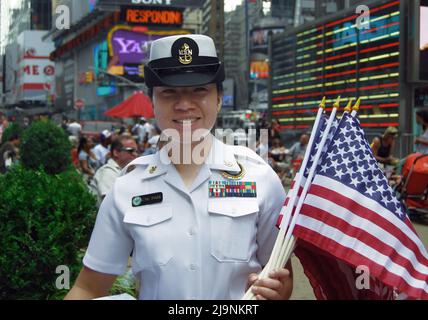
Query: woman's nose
<point>184,103</point>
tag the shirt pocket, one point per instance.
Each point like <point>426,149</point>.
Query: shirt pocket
<point>233,229</point>
<point>150,227</point>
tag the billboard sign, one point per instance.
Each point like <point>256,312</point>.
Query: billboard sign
<point>259,40</point>
<point>129,49</point>
<point>166,3</point>
<point>259,70</point>
<point>36,74</point>
<point>153,16</point>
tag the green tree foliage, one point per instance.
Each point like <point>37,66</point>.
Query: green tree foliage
<point>46,217</point>
<point>44,221</point>
<point>47,146</point>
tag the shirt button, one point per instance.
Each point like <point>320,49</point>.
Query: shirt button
<point>193,266</point>
<point>192,231</point>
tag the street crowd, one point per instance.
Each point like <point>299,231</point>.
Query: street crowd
<point>100,158</point>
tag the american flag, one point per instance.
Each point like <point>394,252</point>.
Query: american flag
<point>352,218</point>
<point>317,140</point>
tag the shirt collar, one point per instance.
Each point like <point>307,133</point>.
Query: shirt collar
<point>222,157</point>
<point>157,165</point>
<point>113,163</point>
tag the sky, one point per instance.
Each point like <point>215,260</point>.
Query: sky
<point>229,5</point>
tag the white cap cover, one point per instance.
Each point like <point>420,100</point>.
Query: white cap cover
<point>184,60</point>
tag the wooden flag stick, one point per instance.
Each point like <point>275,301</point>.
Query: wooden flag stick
<point>287,211</point>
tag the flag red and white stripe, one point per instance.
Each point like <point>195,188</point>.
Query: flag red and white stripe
<point>356,229</point>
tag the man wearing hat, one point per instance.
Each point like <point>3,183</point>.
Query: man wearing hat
<point>198,215</point>
<point>101,150</point>
<point>382,146</point>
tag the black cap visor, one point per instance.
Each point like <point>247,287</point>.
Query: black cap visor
<point>184,76</point>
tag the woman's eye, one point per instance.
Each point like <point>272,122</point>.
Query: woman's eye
<point>168,91</point>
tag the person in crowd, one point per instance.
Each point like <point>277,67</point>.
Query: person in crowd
<point>277,150</point>
<point>3,125</point>
<point>274,130</point>
<point>140,129</point>
<point>297,150</point>
<point>74,153</point>
<point>101,150</point>
<point>64,125</point>
<point>383,146</point>
<point>9,152</point>
<point>422,141</point>
<point>123,151</point>
<point>74,128</point>
<point>199,215</point>
<point>152,143</point>
<point>88,162</point>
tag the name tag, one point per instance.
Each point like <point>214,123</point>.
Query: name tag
<point>146,199</point>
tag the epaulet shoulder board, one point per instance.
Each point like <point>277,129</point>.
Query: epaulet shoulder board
<point>247,153</point>
<point>141,161</point>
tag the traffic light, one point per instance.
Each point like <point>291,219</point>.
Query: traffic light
<point>89,77</point>
<point>141,70</point>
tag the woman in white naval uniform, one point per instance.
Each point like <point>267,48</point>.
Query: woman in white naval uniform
<point>198,216</point>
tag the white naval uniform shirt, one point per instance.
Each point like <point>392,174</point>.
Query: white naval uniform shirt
<point>189,246</point>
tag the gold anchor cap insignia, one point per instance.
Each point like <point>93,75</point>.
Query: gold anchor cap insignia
<point>152,169</point>
<point>185,54</point>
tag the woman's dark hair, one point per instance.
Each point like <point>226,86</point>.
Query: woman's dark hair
<point>82,142</point>
<point>14,136</point>
<point>424,116</point>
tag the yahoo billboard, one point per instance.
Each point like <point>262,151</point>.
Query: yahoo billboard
<point>129,49</point>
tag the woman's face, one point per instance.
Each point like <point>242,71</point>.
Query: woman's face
<point>186,108</point>
<point>89,144</point>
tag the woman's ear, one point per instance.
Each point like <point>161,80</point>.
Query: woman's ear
<point>219,101</point>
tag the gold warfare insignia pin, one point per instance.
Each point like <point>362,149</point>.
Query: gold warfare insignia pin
<point>185,54</point>
<point>237,176</point>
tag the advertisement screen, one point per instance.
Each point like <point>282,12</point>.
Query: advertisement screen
<point>260,39</point>
<point>166,3</point>
<point>339,58</point>
<point>259,70</point>
<point>129,49</point>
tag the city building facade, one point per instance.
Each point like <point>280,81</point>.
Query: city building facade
<point>213,22</point>
<point>27,71</point>
<point>351,56</point>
